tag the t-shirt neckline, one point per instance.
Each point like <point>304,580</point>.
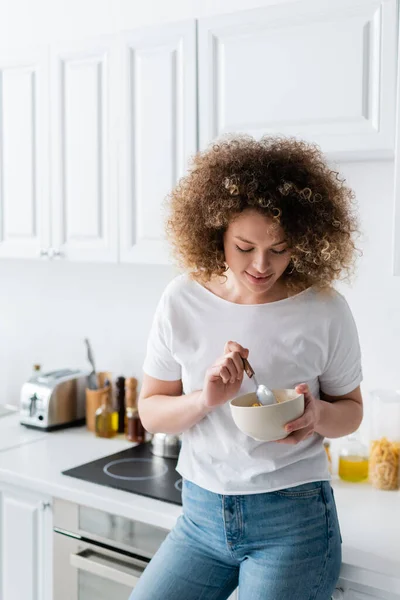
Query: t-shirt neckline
<point>211,294</point>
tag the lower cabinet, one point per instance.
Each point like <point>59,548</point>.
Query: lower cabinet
<point>25,545</point>
<point>349,590</point>
<point>27,556</point>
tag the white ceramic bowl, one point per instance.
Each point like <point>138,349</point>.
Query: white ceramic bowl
<point>267,423</point>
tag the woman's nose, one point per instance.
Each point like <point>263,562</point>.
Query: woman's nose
<point>261,263</point>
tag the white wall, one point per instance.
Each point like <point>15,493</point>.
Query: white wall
<point>47,308</point>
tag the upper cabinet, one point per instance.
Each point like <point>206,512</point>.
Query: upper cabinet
<point>321,70</point>
<point>84,150</point>
<point>105,128</point>
<point>158,131</point>
<point>24,153</point>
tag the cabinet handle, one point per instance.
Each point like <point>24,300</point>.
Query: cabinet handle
<point>55,253</point>
<point>104,566</point>
<point>338,594</point>
<point>51,253</point>
<point>46,505</point>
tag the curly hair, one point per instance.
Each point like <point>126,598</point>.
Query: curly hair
<point>283,178</point>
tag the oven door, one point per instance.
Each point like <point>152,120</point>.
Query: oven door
<point>88,571</point>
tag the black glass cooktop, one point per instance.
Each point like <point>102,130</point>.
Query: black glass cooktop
<point>134,470</point>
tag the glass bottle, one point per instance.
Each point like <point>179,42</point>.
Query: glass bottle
<point>135,431</point>
<point>353,459</point>
<point>106,418</point>
<point>384,463</point>
<point>36,371</point>
<point>120,403</point>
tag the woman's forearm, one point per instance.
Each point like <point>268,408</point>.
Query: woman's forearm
<point>339,418</point>
<point>172,414</point>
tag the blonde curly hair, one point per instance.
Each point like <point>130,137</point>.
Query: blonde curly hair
<point>283,178</point>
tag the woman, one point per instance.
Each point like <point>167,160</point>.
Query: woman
<point>263,229</point>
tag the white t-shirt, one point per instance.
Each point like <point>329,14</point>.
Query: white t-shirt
<point>308,338</point>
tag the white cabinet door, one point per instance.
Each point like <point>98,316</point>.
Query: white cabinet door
<point>396,226</point>
<point>83,149</point>
<point>25,546</point>
<point>158,133</point>
<point>322,70</point>
<point>24,156</point>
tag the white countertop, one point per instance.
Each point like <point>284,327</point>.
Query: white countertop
<point>369,519</point>
<point>13,435</point>
<point>39,467</point>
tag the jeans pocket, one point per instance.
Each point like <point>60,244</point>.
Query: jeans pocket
<point>336,514</point>
<point>305,490</point>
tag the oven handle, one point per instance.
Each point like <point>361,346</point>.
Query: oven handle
<point>92,562</point>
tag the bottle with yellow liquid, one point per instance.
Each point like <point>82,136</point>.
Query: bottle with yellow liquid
<point>106,419</point>
<point>353,459</point>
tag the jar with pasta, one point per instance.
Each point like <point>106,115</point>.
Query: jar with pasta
<point>384,465</point>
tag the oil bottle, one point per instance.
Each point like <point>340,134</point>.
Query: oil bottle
<point>106,418</point>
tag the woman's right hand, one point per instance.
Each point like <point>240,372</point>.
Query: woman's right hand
<point>223,380</point>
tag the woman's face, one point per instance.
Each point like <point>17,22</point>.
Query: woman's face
<point>256,251</point>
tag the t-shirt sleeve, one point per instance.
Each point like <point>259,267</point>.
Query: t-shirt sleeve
<point>343,371</point>
<point>159,362</point>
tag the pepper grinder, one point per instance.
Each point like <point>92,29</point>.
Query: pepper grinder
<point>120,398</point>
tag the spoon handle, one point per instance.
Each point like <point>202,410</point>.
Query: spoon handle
<point>249,371</point>
<point>248,368</point>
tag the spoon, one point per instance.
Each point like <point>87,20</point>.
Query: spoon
<point>264,395</point>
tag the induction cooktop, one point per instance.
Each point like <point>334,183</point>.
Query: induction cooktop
<point>135,470</point>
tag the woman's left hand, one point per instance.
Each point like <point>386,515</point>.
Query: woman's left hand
<point>304,426</point>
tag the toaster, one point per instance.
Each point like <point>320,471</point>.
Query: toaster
<point>54,400</point>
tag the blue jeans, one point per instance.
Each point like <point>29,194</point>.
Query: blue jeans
<point>282,545</point>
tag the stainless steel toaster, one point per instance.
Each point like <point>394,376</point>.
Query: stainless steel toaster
<point>54,400</point>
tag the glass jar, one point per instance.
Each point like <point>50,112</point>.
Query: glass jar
<point>135,432</point>
<point>353,459</point>
<point>385,439</point>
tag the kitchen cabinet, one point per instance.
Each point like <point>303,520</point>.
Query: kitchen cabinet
<point>24,153</point>
<point>396,227</point>
<point>74,146</point>
<point>112,122</point>
<point>321,70</point>
<point>84,115</point>
<point>25,545</point>
<point>348,590</point>
<point>158,131</point>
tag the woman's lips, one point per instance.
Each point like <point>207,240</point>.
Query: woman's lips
<point>258,280</point>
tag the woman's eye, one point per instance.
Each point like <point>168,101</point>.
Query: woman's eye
<point>279,251</point>
<point>243,250</point>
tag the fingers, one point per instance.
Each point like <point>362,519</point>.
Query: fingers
<point>229,368</point>
<point>297,436</point>
<point>238,362</point>
<point>304,421</point>
<point>302,388</point>
<point>226,375</point>
<point>233,362</point>
<point>235,347</point>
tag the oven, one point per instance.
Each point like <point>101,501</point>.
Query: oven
<point>97,555</point>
